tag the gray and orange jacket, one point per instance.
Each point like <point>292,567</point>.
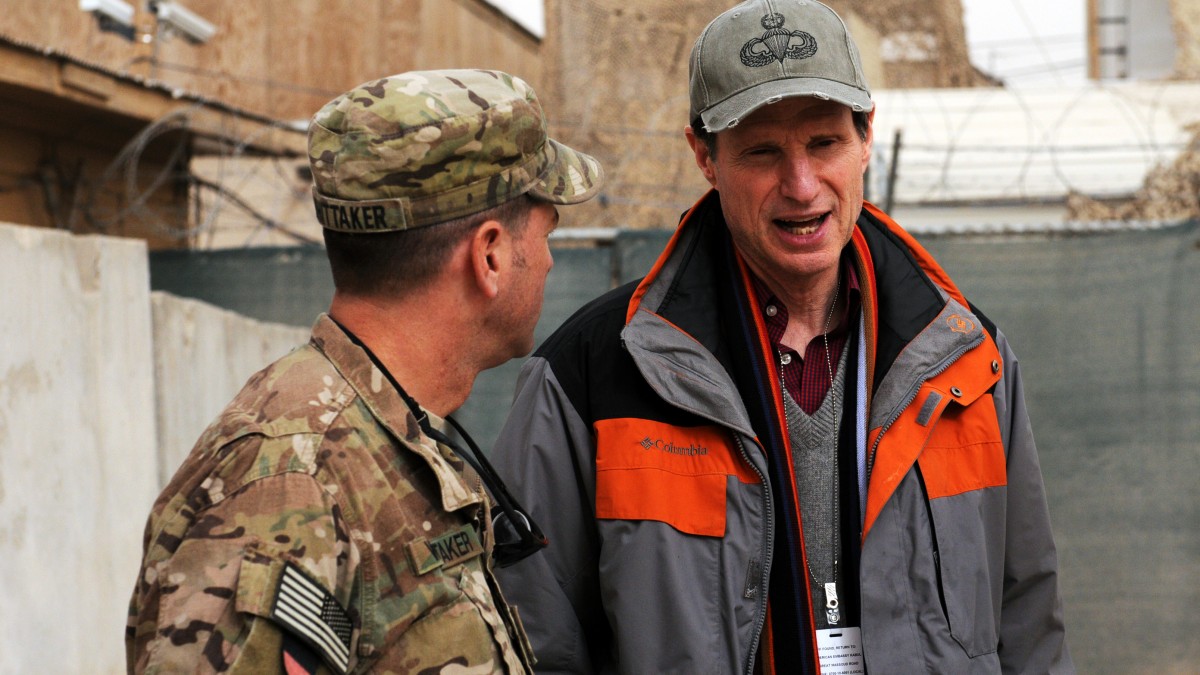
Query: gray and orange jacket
<point>640,439</point>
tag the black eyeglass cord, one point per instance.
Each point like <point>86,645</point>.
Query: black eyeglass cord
<point>516,534</point>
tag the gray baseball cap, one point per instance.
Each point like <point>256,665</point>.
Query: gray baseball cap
<point>763,51</point>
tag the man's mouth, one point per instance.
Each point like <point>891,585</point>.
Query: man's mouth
<point>801,227</point>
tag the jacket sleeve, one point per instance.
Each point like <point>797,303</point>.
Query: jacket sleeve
<point>1032,632</point>
<point>204,599</point>
<point>545,453</point>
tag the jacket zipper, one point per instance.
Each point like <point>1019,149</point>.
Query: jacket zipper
<point>769,536</point>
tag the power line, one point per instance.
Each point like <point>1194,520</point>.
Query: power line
<point>1041,68</point>
<point>1033,34</point>
<point>1049,39</point>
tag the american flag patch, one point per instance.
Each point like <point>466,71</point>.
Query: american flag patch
<point>306,610</point>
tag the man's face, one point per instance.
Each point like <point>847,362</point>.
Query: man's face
<point>791,182</point>
<point>522,302</point>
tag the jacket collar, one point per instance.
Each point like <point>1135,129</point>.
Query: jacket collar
<point>673,328</point>
<point>917,322</point>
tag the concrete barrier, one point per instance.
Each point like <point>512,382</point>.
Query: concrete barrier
<point>77,469</point>
<point>202,357</point>
<point>103,390</point>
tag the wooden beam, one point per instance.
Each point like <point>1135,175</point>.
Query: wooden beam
<point>91,86</point>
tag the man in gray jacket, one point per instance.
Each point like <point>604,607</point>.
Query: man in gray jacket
<point>794,446</point>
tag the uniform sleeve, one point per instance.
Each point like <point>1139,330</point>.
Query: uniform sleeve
<point>1032,633</point>
<point>205,598</point>
<point>545,453</point>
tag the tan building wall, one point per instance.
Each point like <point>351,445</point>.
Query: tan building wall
<point>124,137</point>
<point>285,58</point>
<point>1186,14</point>
<point>89,151</point>
<point>921,44</point>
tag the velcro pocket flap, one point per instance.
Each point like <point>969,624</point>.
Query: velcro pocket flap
<point>258,580</point>
<point>965,451</point>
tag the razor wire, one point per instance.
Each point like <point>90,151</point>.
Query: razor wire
<point>234,203</point>
<point>984,145</point>
<point>627,104</point>
<point>1043,154</point>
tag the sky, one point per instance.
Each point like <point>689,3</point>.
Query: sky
<point>1028,42</point>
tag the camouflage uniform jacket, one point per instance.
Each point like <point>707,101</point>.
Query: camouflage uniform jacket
<point>317,482</point>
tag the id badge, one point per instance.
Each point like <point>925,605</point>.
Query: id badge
<point>840,651</point>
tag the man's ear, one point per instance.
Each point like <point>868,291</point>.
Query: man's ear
<point>490,254</point>
<point>704,158</point>
<point>869,140</point>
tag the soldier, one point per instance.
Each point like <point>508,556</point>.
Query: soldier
<point>324,522</point>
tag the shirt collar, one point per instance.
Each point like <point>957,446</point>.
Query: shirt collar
<point>775,313</point>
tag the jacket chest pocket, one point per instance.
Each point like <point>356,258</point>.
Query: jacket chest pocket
<point>648,470</point>
<point>434,607</point>
<point>464,627</point>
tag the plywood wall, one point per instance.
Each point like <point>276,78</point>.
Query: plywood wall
<point>58,170</point>
<point>275,59</point>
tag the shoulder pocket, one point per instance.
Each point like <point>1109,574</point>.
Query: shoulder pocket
<point>279,591</point>
<point>648,470</point>
<point>964,451</point>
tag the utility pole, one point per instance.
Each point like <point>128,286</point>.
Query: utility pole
<point>1093,39</point>
<point>1108,39</point>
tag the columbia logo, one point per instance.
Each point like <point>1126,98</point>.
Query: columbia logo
<point>670,447</point>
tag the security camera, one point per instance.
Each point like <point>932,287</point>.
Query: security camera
<point>117,11</point>
<point>183,20</point>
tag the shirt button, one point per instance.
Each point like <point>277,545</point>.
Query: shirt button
<point>771,310</point>
<point>785,359</point>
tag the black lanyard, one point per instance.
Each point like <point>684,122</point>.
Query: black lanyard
<point>516,534</point>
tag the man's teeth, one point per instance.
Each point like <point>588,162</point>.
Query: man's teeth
<point>800,226</point>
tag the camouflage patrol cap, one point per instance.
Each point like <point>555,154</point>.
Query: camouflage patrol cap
<point>425,147</point>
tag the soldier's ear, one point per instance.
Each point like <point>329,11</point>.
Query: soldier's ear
<point>489,252</point>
